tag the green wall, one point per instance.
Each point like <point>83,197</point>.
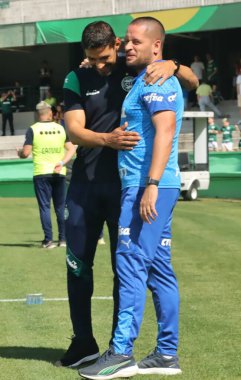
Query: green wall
<point>225,176</point>
<point>16,178</point>
<point>225,173</point>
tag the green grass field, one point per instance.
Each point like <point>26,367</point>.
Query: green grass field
<point>207,259</point>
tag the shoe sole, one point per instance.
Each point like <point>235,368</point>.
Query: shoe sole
<point>84,360</point>
<point>125,372</point>
<point>159,371</point>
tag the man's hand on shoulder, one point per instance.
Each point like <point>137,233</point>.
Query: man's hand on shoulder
<point>159,71</point>
<point>85,64</point>
<point>121,139</point>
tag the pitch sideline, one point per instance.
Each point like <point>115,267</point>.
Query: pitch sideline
<point>52,299</point>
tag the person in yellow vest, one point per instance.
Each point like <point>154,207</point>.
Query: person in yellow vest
<point>205,98</point>
<point>50,99</point>
<point>51,150</point>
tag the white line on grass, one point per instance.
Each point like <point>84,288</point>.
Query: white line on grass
<point>51,299</point>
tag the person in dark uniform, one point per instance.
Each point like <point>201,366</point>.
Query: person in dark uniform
<point>6,102</point>
<point>93,98</point>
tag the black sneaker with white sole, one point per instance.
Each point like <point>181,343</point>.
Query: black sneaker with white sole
<point>79,352</point>
<point>110,366</point>
<point>158,364</point>
<point>48,244</point>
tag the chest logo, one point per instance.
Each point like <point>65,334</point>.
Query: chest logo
<point>126,83</point>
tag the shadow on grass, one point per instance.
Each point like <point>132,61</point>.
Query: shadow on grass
<point>183,200</point>
<point>36,353</point>
<point>27,245</point>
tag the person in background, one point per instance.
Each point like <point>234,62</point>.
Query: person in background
<point>198,68</point>
<point>205,99</point>
<point>19,94</point>
<point>150,180</point>
<point>212,76</point>
<point>59,114</point>
<point>6,102</point>
<point>227,135</point>
<point>211,70</point>
<point>236,70</point>
<point>238,85</point>
<point>93,98</point>
<point>213,130</point>
<point>216,95</point>
<point>51,150</point>
<point>50,99</point>
<point>45,75</point>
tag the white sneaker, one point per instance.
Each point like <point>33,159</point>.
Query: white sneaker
<point>101,241</point>
<point>62,243</point>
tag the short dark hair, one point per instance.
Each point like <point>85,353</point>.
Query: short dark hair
<point>154,21</point>
<point>98,34</point>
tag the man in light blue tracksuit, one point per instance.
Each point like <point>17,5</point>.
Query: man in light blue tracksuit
<point>150,189</point>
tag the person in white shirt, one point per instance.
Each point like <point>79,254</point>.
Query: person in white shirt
<point>238,83</point>
<point>198,68</point>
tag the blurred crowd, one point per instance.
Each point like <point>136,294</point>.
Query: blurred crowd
<point>206,97</point>
<point>220,137</point>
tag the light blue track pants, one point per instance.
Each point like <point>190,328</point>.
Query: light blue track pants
<point>144,260</point>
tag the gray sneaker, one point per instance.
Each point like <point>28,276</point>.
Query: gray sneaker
<point>158,364</point>
<point>110,366</point>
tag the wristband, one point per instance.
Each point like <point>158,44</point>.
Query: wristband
<point>61,163</point>
<point>151,181</point>
<point>177,63</point>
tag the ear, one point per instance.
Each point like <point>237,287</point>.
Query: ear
<point>117,43</point>
<point>157,47</point>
